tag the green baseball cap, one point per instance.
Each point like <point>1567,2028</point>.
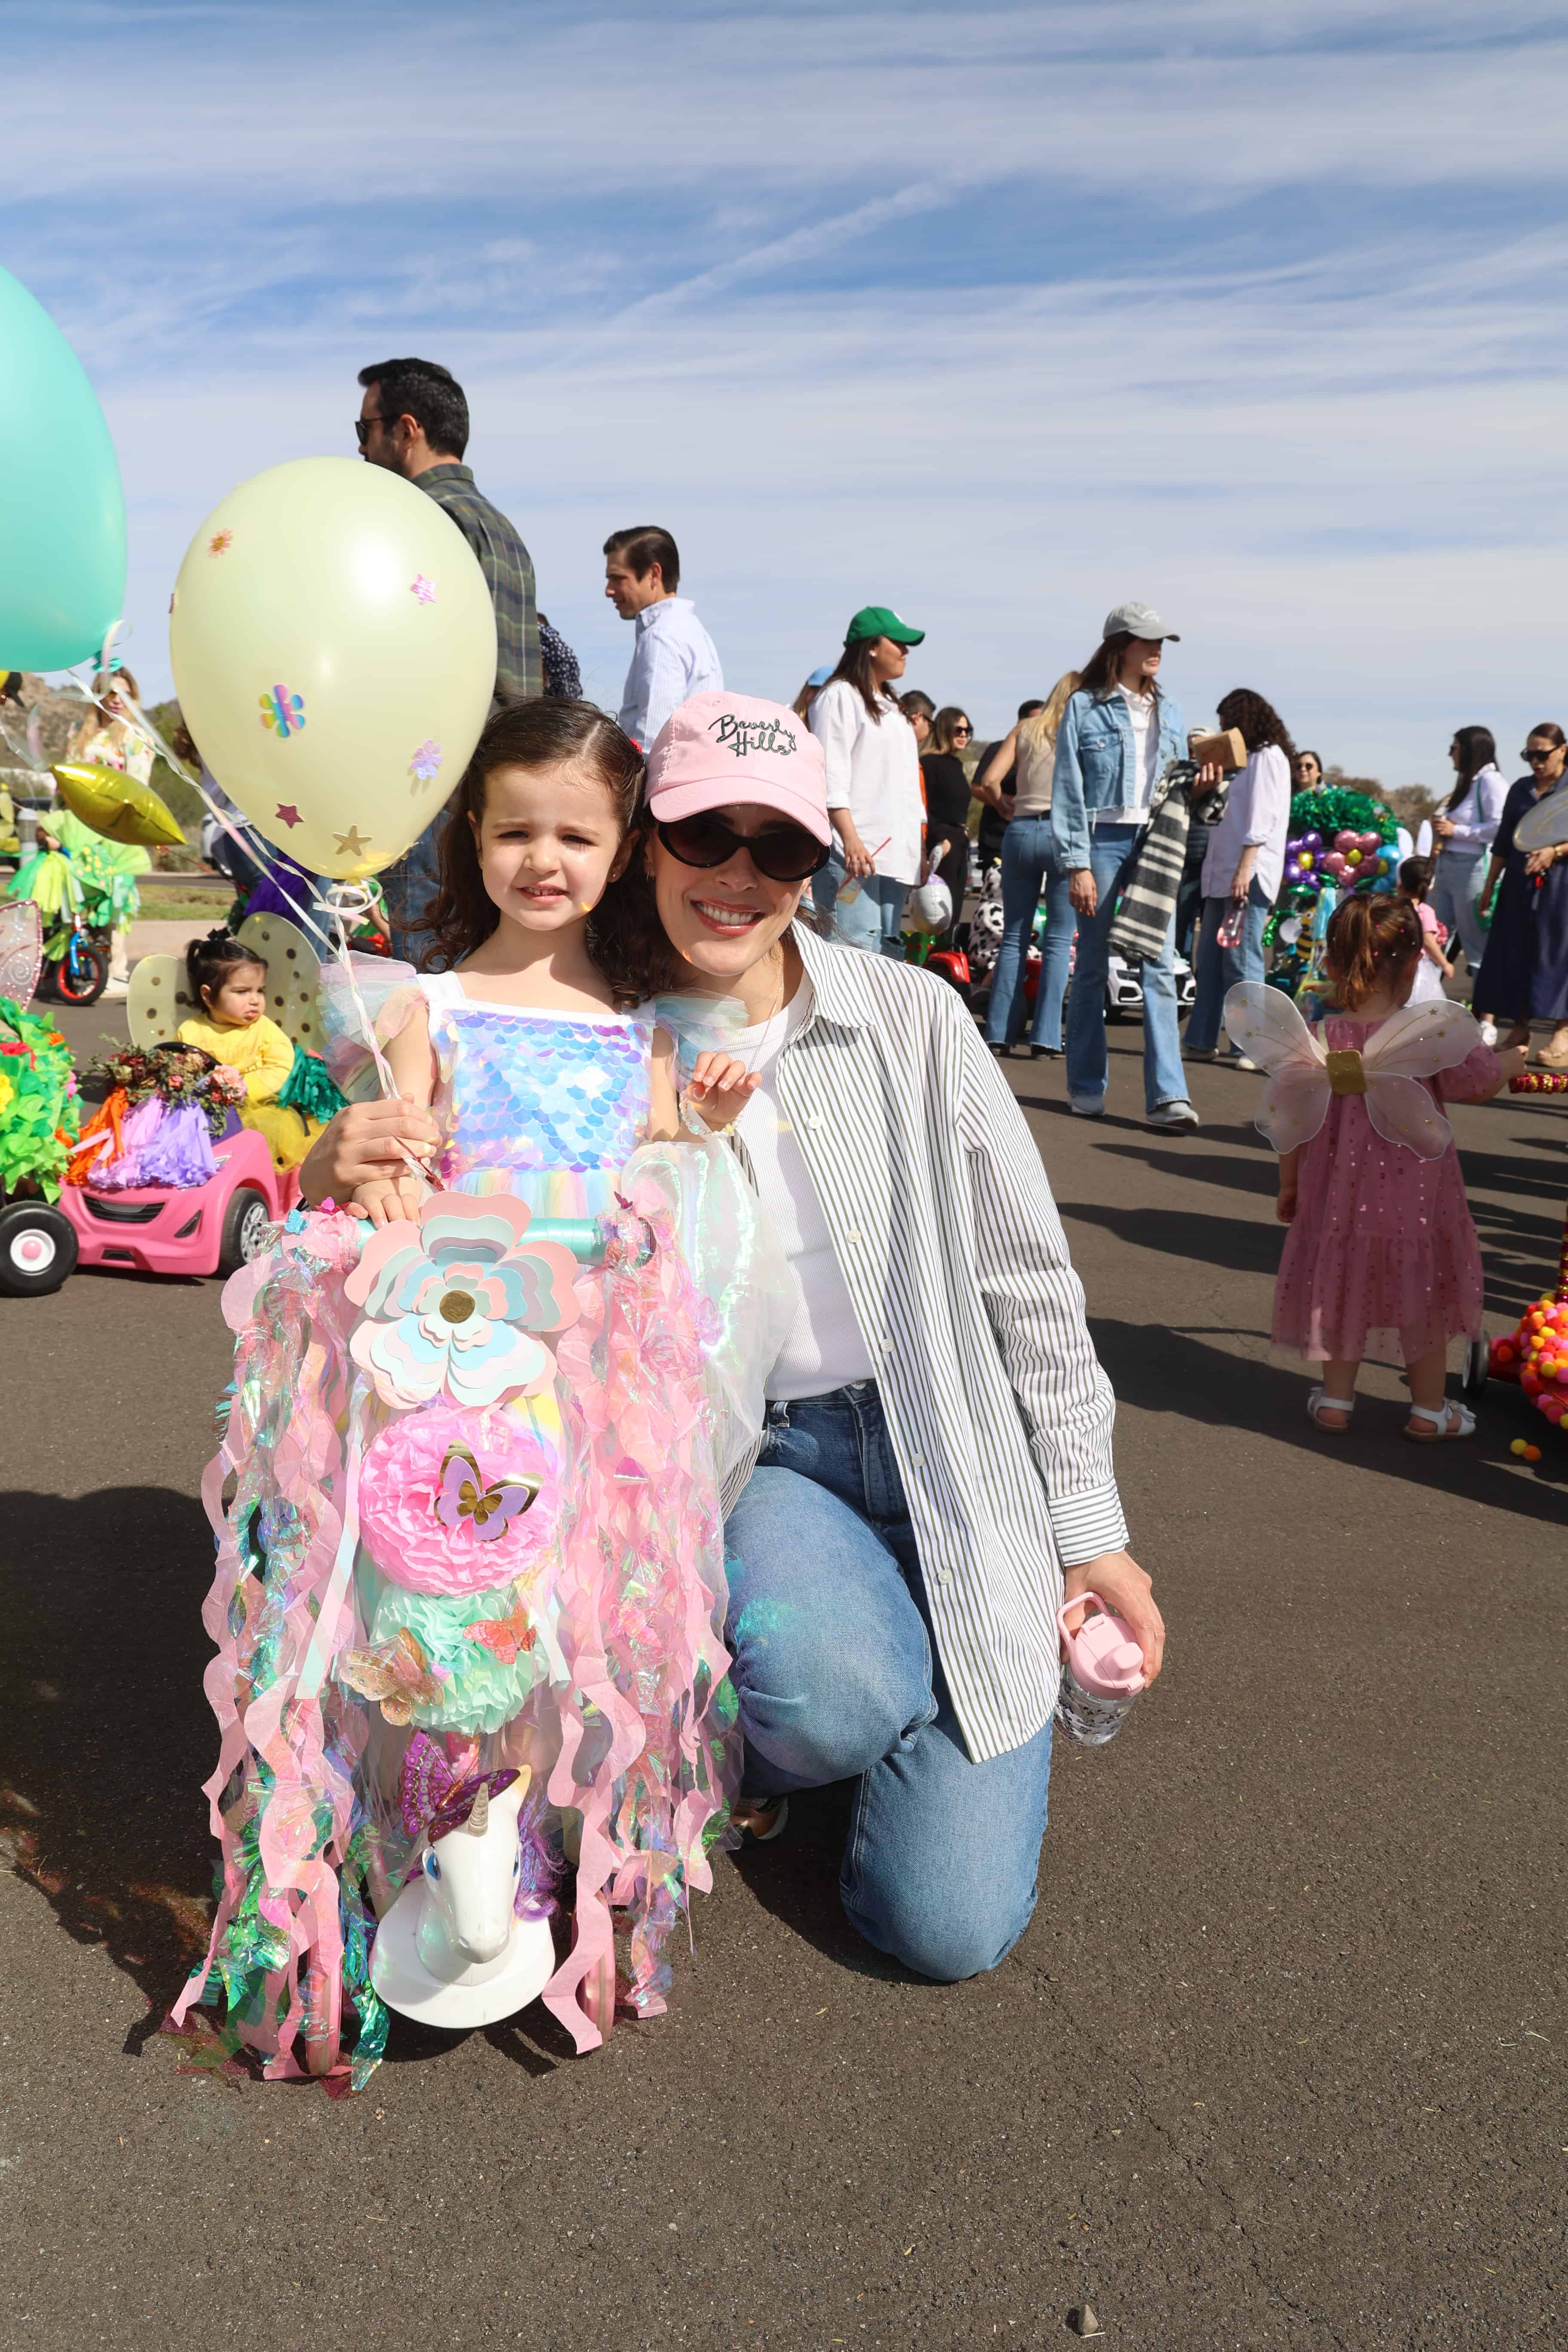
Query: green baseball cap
<point>881,621</point>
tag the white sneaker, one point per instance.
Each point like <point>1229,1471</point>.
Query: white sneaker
<point>1488,1033</point>
<point>115,991</point>
<point>1087,1105</point>
<point>1240,1062</point>
<point>1174,1114</point>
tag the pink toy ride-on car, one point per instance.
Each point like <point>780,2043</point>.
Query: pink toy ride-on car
<point>201,1229</point>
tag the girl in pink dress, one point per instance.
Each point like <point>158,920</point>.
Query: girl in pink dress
<point>1382,1254</point>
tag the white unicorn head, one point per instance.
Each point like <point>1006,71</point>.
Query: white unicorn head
<point>452,1949</point>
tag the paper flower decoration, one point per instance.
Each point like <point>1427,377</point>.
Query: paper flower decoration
<point>413,1518</point>
<point>426,762</point>
<point>449,1306</point>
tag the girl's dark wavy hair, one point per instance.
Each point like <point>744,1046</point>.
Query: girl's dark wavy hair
<point>624,937</point>
<point>1257,721</point>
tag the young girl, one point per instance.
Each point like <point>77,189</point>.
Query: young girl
<point>518,1044</point>
<point>1433,967</point>
<point>1381,1248</point>
<point>477,1441</point>
<point>230,980</point>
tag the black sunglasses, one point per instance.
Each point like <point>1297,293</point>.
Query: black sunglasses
<point>784,853</point>
<point>363,424</point>
<point>1539,759</point>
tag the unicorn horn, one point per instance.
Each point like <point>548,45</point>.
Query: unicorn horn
<point>479,1821</point>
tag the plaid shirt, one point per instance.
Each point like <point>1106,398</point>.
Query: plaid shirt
<point>508,568</point>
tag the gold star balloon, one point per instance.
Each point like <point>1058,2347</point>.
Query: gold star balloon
<point>335,703</point>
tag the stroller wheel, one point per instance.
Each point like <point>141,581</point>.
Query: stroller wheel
<point>1477,1363</point>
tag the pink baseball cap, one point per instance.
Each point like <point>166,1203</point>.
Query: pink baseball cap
<point>718,749</point>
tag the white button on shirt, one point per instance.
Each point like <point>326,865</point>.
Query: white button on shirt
<point>673,658</point>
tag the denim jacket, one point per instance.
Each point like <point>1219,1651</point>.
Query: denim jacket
<point>1094,767</point>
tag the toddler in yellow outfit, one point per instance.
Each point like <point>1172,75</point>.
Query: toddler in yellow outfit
<point>230,978</point>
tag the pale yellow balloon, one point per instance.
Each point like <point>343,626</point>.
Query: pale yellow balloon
<point>333,645</point>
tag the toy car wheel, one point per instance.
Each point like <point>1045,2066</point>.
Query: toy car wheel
<point>1477,1366</point>
<point>246,1222</point>
<point>38,1248</point>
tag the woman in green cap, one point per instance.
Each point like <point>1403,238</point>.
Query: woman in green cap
<point>873,784</point>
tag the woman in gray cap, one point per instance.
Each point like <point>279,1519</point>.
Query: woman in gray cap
<point>1117,733</point>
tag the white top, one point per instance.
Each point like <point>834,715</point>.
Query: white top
<point>824,1350</point>
<point>1257,810</point>
<point>874,772</point>
<point>673,658</point>
<point>1479,815</point>
<point>1144,710</point>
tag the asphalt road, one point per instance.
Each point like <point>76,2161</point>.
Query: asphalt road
<point>1278,2063</point>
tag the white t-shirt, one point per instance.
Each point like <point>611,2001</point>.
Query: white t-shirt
<point>824,1348</point>
<point>874,772</point>
<point>1145,747</point>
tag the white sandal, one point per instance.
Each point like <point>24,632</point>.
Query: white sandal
<point>1444,1429</point>
<point>1317,1402</point>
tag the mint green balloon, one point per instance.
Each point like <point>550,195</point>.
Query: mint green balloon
<point>62,511</point>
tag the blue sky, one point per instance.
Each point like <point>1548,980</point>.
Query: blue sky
<point>998,314</point>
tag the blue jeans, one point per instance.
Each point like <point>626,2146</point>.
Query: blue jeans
<point>837,1680</point>
<point>1219,969</point>
<point>1453,903</point>
<point>1026,865</point>
<point>1088,1065</point>
<point>873,919</point>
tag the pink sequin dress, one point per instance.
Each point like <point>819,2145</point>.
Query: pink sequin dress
<point>1381,1259</point>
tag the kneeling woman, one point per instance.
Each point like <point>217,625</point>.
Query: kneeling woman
<point>936,1465</point>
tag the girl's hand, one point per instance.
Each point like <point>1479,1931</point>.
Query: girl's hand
<point>1122,1586</point>
<point>721,1089</point>
<point>386,1201</point>
<point>360,1146</point>
<point>1284,1206</point>
<point>1511,1060</point>
<point>1082,891</point>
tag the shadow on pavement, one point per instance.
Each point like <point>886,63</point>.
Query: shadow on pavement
<point>1175,1371</point>
<point>1242,1244</point>
<point>105,1734</point>
<point>1255,1175</point>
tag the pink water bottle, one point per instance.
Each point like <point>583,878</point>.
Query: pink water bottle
<point>1102,1676</point>
<point>1230,924</point>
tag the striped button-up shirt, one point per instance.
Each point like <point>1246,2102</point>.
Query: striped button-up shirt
<point>508,568</point>
<point>957,1265</point>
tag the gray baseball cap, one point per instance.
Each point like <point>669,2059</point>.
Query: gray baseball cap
<point>1139,621</point>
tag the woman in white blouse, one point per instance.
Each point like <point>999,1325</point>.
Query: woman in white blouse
<point>1245,864</point>
<point>1463,831</point>
<point>873,784</point>
<point>935,1473</point>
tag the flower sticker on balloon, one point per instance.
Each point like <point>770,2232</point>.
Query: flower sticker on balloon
<point>220,543</point>
<point>426,762</point>
<point>282,713</point>
<point>449,1306</point>
<point>425,590</point>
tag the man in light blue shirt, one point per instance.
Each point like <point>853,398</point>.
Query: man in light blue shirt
<point>674,657</point>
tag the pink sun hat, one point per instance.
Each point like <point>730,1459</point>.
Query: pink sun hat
<point>719,750</point>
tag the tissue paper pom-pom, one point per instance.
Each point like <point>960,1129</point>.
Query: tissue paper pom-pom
<point>431,1530</point>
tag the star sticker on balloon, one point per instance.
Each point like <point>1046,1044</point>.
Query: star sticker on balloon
<point>288,814</point>
<point>422,588</point>
<point>350,843</point>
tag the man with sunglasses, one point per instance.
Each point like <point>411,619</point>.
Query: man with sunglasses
<point>414,421</point>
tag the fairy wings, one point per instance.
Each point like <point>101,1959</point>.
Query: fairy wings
<point>1412,1045</point>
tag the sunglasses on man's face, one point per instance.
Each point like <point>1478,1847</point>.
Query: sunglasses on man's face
<point>784,853</point>
<point>366,426</point>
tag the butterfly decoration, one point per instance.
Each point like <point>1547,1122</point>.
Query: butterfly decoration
<point>397,1672</point>
<point>504,1637</point>
<point>1411,1045</point>
<point>489,1509</point>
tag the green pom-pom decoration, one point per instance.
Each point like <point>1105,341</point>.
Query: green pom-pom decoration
<point>1331,809</point>
<point>40,1115</point>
